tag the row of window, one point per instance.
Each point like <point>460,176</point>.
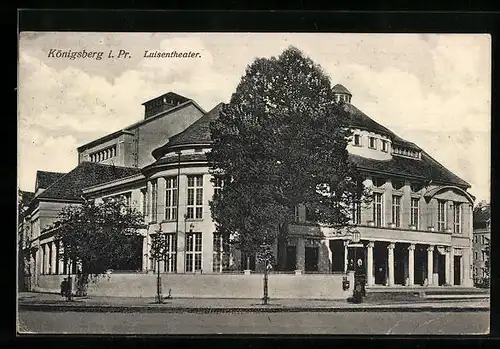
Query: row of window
<point>103,154</point>
<point>343,98</point>
<point>396,213</point>
<point>483,254</point>
<point>373,142</point>
<point>193,253</point>
<point>481,239</point>
<point>383,145</point>
<point>194,203</point>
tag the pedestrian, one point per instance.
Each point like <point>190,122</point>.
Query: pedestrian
<point>64,286</point>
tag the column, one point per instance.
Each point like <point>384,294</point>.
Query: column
<point>345,256</point>
<point>145,252</point>
<point>452,266</point>
<point>53,258</point>
<point>301,252</point>
<point>390,260</point>
<point>447,265</point>
<point>430,266</point>
<point>369,263</point>
<point>46,260</point>
<point>411,265</point>
<point>60,261</point>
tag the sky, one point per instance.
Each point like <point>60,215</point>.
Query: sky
<point>431,89</point>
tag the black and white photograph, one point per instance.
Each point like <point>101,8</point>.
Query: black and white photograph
<point>190,183</point>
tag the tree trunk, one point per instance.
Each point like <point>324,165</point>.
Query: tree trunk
<point>282,243</point>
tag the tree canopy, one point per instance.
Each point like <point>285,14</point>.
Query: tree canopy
<point>280,142</point>
<point>99,235</point>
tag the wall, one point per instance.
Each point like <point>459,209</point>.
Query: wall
<point>364,151</point>
<point>326,286</point>
<point>49,212</point>
<point>156,132</point>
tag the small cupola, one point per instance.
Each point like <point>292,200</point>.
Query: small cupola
<point>162,103</point>
<point>341,94</point>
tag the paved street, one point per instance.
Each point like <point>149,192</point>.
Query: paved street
<point>260,323</point>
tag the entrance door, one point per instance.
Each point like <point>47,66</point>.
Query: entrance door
<point>291,258</point>
<point>311,259</point>
<point>457,275</point>
<point>399,266</point>
<point>441,269</point>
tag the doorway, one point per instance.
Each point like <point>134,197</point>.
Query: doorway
<point>311,259</point>
<point>291,258</point>
<point>441,269</point>
<point>399,265</point>
<point>380,263</point>
<point>337,248</point>
<point>457,275</point>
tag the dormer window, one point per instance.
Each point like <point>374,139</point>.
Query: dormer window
<point>385,147</point>
<point>378,182</point>
<point>397,184</point>
<point>372,142</point>
<point>357,140</point>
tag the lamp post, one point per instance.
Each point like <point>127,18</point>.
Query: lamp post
<point>355,238</point>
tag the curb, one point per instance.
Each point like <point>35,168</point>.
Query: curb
<point>257,309</point>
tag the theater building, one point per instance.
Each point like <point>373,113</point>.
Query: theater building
<point>417,230</point>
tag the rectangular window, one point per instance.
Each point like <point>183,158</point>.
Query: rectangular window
<point>377,209</point>
<point>171,199</point>
<point>414,212</point>
<point>220,253</point>
<point>154,201</point>
<point>195,197</point>
<point>384,146</point>
<point>170,265</point>
<point>357,140</point>
<point>193,252</point>
<point>441,215</point>
<point>372,142</point>
<point>356,213</point>
<point>457,218</point>
<point>396,210</point>
<point>218,186</point>
<point>475,255</point>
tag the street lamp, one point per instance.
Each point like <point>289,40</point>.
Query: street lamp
<point>355,238</point>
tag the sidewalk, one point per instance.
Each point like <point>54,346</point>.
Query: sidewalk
<point>54,302</point>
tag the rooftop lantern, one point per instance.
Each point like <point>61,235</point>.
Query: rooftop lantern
<point>341,94</point>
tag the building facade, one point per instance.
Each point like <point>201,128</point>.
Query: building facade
<point>482,243</point>
<point>416,231</point>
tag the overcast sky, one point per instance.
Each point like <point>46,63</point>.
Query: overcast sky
<point>433,90</point>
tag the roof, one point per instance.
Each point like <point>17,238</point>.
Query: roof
<point>482,215</point>
<point>44,178</point>
<point>425,169</point>
<point>341,89</point>
<point>69,187</point>
<point>197,133</point>
<point>174,160</point>
<point>172,95</point>
<point>358,119</point>
<point>128,129</point>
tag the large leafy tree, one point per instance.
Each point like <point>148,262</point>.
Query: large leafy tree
<point>280,142</point>
<point>99,236</point>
